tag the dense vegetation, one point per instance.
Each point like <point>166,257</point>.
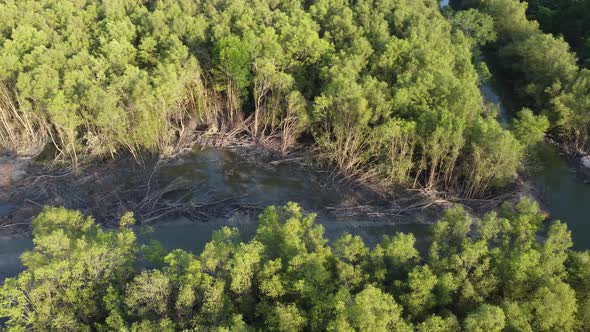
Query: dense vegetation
<point>488,274</point>
<point>542,71</point>
<point>385,88</point>
<point>568,18</point>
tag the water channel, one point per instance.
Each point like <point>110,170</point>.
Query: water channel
<point>224,174</point>
<point>562,192</point>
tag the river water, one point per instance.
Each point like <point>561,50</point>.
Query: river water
<point>222,174</point>
<point>564,194</point>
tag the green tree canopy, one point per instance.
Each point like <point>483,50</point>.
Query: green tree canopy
<point>480,274</point>
<point>386,89</point>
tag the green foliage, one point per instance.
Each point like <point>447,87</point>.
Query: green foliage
<point>567,18</point>
<point>103,75</point>
<point>69,271</point>
<point>373,310</point>
<point>542,70</point>
<point>147,295</point>
<point>495,158</point>
<point>476,25</point>
<point>572,111</point>
<point>439,324</point>
<point>578,277</point>
<point>232,59</point>
<point>485,318</point>
<point>528,128</point>
<point>486,274</point>
<point>387,89</point>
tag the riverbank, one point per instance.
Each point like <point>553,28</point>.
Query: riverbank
<point>202,184</point>
<point>185,199</point>
<point>193,184</point>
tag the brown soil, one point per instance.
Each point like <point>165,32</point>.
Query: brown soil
<point>6,171</point>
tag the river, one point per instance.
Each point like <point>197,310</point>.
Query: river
<point>563,194</point>
<point>228,175</point>
<point>224,174</point>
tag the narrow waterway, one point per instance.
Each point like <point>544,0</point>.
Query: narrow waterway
<point>222,174</point>
<point>564,194</point>
<point>561,190</point>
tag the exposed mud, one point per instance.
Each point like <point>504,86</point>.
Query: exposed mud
<point>201,185</point>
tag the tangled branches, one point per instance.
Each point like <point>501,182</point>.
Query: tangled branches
<point>108,190</point>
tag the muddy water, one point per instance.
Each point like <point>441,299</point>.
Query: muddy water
<point>221,175</point>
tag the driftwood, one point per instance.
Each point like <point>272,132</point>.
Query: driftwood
<point>419,200</point>
<point>373,211</point>
<point>108,190</point>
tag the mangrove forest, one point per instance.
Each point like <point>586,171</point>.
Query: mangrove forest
<point>295,165</point>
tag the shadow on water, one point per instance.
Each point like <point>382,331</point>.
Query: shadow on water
<point>11,249</point>
<point>261,185</point>
<point>222,174</point>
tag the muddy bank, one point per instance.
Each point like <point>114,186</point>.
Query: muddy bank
<point>187,198</point>
<point>202,185</point>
